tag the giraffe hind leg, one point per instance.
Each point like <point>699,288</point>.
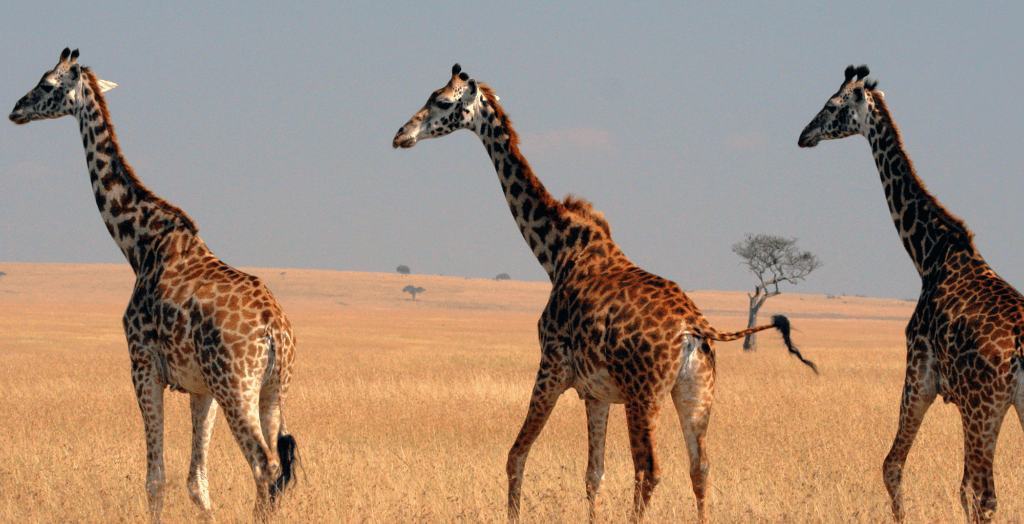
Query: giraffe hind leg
<point>694,412</point>
<point>242,414</point>
<point>280,444</point>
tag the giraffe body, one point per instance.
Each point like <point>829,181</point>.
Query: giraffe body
<point>614,332</point>
<point>964,337</point>
<point>193,323</point>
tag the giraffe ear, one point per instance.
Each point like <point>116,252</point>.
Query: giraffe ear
<point>472,86</point>
<point>105,85</point>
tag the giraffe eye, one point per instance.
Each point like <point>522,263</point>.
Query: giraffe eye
<point>443,105</point>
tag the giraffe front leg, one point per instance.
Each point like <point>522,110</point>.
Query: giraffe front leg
<point>150,394</point>
<point>204,413</point>
<point>597,429</point>
<point>546,391</point>
<point>919,391</point>
<point>642,420</point>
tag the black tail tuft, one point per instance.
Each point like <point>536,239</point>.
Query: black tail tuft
<point>287,453</point>
<point>782,324</point>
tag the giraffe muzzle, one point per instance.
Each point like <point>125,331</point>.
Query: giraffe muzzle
<point>807,140</point>
<point>405,138</point>
<point>18,116</point>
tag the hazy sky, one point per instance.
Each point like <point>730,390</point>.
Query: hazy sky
<point>271,125</point>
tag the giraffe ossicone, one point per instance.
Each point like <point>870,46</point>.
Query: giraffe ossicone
<point>612,331</point>
<point>964,339</point>
<point>193,324</point>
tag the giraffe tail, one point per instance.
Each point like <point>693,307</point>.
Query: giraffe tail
<point>287,449</point>
<point>780,323</point>
<point>287,453</point>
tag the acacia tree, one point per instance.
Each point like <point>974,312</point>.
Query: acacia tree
<point>413,290</point>
<point>773,259</point>
<point>403,269</point>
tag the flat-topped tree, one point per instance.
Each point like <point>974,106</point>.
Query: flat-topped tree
<point>964,340</point>
<point>614,332</point>
<point>194,324</point>
<point>773,260</point>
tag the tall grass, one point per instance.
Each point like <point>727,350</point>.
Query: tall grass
<point>404,412</point>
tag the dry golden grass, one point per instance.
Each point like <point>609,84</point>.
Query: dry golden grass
<point>404,411</point>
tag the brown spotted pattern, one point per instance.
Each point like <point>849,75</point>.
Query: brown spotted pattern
<point>614,332</point>
<point>964,338</point>
<point>194,324</point>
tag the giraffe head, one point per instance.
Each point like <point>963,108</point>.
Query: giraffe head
<point>58,93</point>
<point>448,109</point>
<point>846,112</point>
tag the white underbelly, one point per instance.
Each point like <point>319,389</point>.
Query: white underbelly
<point>185,373</point>
<point>598,386</point>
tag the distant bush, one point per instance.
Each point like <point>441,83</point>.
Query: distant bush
<point>502,276</point>
<point>403,269</point>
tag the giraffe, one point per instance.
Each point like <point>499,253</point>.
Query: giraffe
<point>964,338</point>
<point>193,324</point>
<point>612,331</point>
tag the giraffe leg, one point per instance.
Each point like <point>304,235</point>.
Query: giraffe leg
<point>243,416</point>
<point>272,424</point>
<point>693,405</point>
<point>597,427</point>
<point>642,420</point>
<point>204,412</point>
<point>150,395</point>
<point>545,394</point>
<point>978,488</point>
<point>919,391</point>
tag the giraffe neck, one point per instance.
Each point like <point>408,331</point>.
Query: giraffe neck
<point>134,216</point>
<point>541,219</point>
<point>928,231</point>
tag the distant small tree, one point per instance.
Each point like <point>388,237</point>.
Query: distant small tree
<point>502,276</point>
<point>413,290</point>
<point>403,269</point>
<point>772,259</point>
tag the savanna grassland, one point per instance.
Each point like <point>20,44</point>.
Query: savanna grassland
<point>404,411</point>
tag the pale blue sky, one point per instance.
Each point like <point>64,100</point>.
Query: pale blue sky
<point>271,126</point>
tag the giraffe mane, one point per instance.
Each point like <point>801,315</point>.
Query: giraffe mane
<point>129,178</point>
<point>582,207</point>
<point>953,222</point>
<point>513,147</point>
